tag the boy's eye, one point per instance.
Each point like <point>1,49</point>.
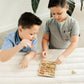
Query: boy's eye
<point>59,13</point>
<point>53,13</point>
<point>31,34</point>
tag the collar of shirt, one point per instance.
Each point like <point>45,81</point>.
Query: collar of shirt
<point>17,38</point>
<point>17,41</point>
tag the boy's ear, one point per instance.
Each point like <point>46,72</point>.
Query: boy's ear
<point>20,28</point>
<point>67,7</point>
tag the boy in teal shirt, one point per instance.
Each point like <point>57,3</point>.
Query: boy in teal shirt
<point>22,39</point>
<point>61,31</point>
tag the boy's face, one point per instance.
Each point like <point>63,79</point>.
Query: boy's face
<point>29,34</point>
<point>59,13</point>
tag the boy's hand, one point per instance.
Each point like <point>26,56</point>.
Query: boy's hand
<point>60,59</point>
<point>24,62</point>
<point>44,54</point>
<point>24,43</point>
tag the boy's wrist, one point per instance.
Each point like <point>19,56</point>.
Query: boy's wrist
<point>28,57</point>
<point>63,56</point>
<point>45,49</point>
<point>19,46</point>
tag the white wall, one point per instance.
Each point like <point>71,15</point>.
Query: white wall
<point>10,11</point>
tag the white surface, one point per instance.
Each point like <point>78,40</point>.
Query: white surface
<point>10,11</point>
<point>10,72</point>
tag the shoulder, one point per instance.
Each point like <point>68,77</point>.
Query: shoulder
<point>72,20</point>
<point>50,21</point>
<point>11,36</point>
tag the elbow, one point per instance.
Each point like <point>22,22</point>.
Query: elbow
<point>3,60</point>
<point>3,56</point>
<point>75,44</point>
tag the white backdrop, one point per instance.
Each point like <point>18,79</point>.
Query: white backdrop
<point>10,11</point>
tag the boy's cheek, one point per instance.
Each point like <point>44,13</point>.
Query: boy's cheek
<point>27,37</point>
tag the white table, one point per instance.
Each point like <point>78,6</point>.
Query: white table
<point>10,72</point>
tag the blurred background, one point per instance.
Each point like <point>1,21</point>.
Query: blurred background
<point>10,11</point>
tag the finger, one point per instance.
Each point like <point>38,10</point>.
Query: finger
<point>22,66</point>
<point>44,54</point>
<point>26,66</point>
<point>28,44</point>
<point>24,45</point>
<point>58,62</point>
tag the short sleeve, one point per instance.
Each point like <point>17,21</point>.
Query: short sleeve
<point>46,28</point>
<point>75,28</point>
<point>7,44</point>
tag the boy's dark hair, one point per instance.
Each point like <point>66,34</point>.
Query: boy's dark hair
<point>55,3</point>
<point>28,19</point>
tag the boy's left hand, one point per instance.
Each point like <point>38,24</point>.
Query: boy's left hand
<point>44,54</point>
<point>60,59</point>
<point>24,62</point>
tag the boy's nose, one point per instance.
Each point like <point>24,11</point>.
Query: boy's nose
<point>34,37</point>
<point>56,16</point>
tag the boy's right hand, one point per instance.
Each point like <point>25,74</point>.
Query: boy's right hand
<point>24,43</point>
<point>44,54</point>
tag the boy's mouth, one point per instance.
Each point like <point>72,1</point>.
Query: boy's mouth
<point>31,40</point>
<point>58,19</point>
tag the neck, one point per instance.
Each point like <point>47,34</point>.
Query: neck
<point>20,36</point>
<point>64,18</point>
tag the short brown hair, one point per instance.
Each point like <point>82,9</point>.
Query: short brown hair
<point>28,19</point>
<point>54,3</point>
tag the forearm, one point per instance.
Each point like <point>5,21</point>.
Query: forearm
<point>5,55</point>
<point>70,49</point>
<point>31,55</point>
<point>44,44</point>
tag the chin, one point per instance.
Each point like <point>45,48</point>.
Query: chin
<point>60,20</point>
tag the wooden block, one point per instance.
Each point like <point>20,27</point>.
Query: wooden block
<point>73,72</point>
<point>32,46</point>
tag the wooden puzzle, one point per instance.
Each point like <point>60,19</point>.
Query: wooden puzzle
<point>47,68</point>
